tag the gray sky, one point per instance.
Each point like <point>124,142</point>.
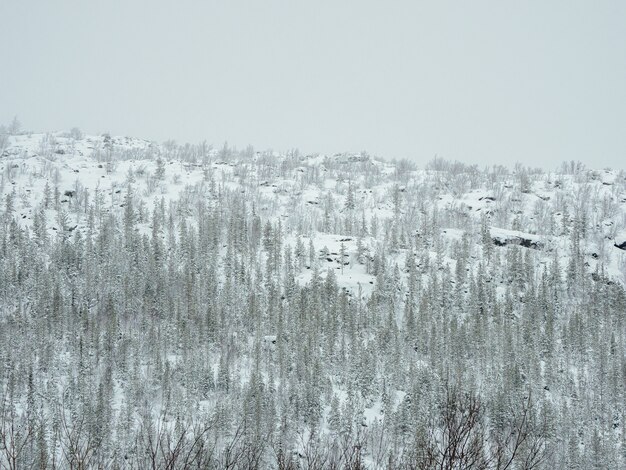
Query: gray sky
<point>482,82</point>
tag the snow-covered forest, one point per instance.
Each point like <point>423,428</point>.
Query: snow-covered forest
<point>184,306</point>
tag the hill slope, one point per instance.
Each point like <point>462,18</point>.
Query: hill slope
<point>296,302</point>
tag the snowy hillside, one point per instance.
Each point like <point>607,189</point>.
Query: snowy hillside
<point>291,307</point>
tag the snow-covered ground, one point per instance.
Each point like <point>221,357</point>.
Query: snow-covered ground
<point>350,289</point>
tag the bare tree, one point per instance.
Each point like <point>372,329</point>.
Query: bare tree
<point>241,452</point>
<point>78,444</point>
<point>168,446</point>
<point>4,138</point>
<point>461,438</point>
<point>16,433</point>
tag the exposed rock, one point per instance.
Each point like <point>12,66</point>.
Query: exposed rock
<point>503,237</point>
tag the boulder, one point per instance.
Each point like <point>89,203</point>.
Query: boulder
<point>504,237</point>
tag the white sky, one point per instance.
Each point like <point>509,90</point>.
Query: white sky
<point>479,81</point>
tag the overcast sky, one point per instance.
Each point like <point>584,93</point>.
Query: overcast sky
<point>478,81</point>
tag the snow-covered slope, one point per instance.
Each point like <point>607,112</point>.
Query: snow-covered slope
<point>320,297</point>
<point>548,207</point>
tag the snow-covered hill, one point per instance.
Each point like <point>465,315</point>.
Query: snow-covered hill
<point>313,298</point>
<point>301,191</point>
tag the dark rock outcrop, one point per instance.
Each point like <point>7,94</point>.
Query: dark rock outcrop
<point>502,237</point>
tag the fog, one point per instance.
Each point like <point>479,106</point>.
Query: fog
<point>481,82</point>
